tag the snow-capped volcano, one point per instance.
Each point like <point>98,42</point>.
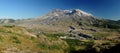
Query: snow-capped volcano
<point>58,12</point>
<point>60,17</point>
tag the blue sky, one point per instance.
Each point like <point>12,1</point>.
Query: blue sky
<point>19,9</point>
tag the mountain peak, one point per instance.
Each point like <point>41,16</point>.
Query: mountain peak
<point>80,12</point>
<point>74,11</point>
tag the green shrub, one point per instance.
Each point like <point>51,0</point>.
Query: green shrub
<point>42,45</point>
<point>73,42</point>
<point>1,38</point>
<point>54,47</point>
<point>9,26</point>
<point>16,40</point>
<point>45,46</point>
<point>32,38</point>
<point>89,43</point>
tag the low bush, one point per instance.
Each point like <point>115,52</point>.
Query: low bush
<point>9,26</point>
<point>46,46</point>
<point>16,40</point>
<point>73,42</point>
<point>1,38</point>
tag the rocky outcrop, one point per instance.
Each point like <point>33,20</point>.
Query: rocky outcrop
<point>85,35</point>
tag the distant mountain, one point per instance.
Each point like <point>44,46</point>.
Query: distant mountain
<point>66,16</point>
<point>61,17</point>
<point>74,17</point>
<point>5,21</point>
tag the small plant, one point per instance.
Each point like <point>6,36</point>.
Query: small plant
<point>32,38</point>
<point>16,40</point>
<point>42,45</point>
<point>54,46</point>
<point>90,43</point>
<point>1,39</point>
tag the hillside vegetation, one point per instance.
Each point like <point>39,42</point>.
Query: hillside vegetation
<point>18,39</point>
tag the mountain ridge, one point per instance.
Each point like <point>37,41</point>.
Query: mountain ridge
<point>62,16</point>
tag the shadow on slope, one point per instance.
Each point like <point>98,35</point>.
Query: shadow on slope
<point>115,49</point>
